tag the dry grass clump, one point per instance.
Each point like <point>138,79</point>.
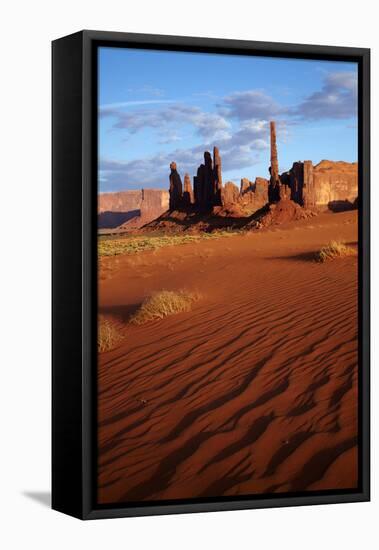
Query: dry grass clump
<point>163,303</point>
<point>334,249</point>
<point>107,335</point>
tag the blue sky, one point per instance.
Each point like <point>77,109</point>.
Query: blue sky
<point>156,107</point>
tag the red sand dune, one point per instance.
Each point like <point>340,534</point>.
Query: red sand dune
<point>255,390</point>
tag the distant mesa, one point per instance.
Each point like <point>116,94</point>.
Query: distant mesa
<point>112,219</point>
<point>209,203</point>
<point>125,210</point>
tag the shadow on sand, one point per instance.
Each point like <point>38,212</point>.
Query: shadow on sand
<point>302,257</point>
<point>123,312</point>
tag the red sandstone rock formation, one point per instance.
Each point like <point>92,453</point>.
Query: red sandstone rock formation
<point>207,184</point>
<point>198,188</point>
<point>188,193</point>
<point>309,199</point>
<point>203,185</point>
<point>176,188</point>
<point>261,190</point>
<point>211,195</point>
<point>127,209</point>
<point>305,185</point>
<point>208,187</point>
<point>282,211</point>
<point>246,186</point>
<point>230,194</point>
<point>120,201</point>
<point>332,184</point>
<point>217,183</point>
<point>312,186</point>
<point>274,188</point>
<point>153,203</point>
<point>253,195</point>
<point>335,181</point>
<point>324,184</point>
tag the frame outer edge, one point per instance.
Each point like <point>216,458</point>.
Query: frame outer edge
<point>66,274</point>
<point>365,291</point>
<point>89,193</point>
<point>88,189</point>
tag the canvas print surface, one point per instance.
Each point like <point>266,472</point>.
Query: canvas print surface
<point>227,276</point>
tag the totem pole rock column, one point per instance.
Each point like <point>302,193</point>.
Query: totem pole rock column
<point>217,178</point>
<point>203,184</point>
<point>188,193</point>
<point>176,188</point>
<point>274,187</point>
<point>208,181</point>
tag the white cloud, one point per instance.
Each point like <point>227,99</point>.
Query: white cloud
<point>207,125</point>
<point>250,105</point>
<point>112,109</point>
<point>154,170</point>
<point>240,128</point>
<point>337,99</point>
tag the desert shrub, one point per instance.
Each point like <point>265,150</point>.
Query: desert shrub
<point>334,249</point>
<point>107,335</point>
<point>163,303</point>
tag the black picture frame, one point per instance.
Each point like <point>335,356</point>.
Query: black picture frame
<point>74,294</point>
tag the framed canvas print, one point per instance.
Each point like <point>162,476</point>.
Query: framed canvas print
<point>210,275</point>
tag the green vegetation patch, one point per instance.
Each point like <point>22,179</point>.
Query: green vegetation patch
<point>110,246</point>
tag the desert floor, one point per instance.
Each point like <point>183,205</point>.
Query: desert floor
<point>255,390</point>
